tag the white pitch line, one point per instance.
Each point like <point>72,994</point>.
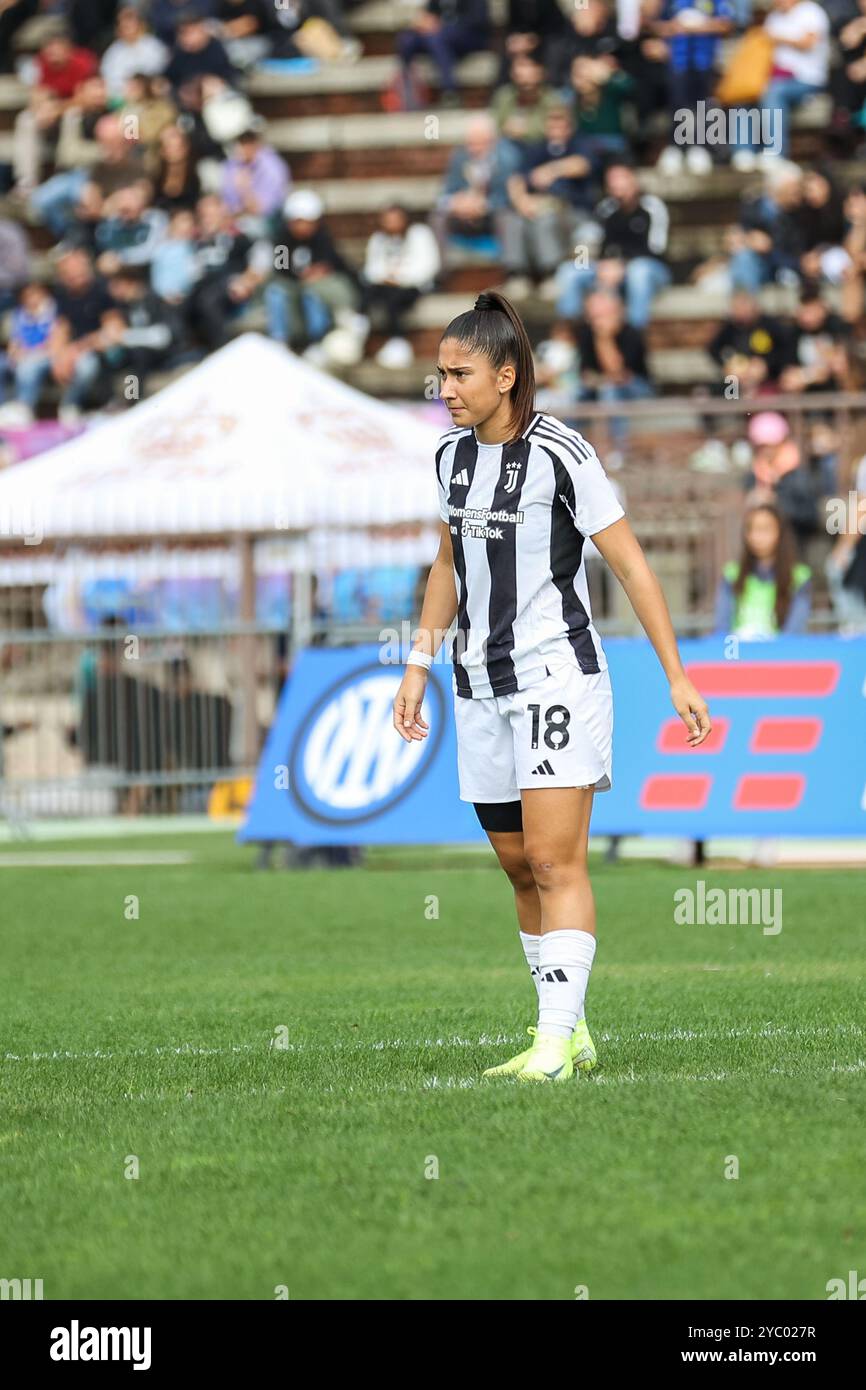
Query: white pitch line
<point>401,1044</point>
<point>467,1083</point>
<point>96,859</point>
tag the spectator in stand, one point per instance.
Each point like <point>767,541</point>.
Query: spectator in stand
<point>91,21</point>
<point>61,65</point>
<point>815,349</point>
<point>590,32</point>
<point>521,107</point>
<point>777,476</point>
<point>13,14</point>
<point>800,31</point>
<point>197,53</point>
<point>536,27</point>
<point>613,365</point>
<point>148,109</point>
<point>766,591</point>
<point>129,230</point>
<point>845,566</point>
<point>15,264</point>
<point>119,162</point>
<point>81,117</point>
<point>231,268</point>
<point>140,330</point>
<point>600,90</point>
<point>176,181</point>
<point>445,30</point>
<point>255,183</point>
<point>312,285</point>
<point>475,192</point>
<point>770,240</point>
<point>853,296</point>
<point>28,352</point>
<point>822,217</point>
<point>750,347</point>
<point>848,79</point>
<point>174,269</point>
<point>693,34</point>
<point>243,28</point>
<point>557,368</point>
<point>79,336</point>
<point>133,52</point>
<point>549,194</point>
<point>165,16</point>
<point>634,234</point>
<point>645,58</point>
<point>402,262</point>
<point>60,68</point>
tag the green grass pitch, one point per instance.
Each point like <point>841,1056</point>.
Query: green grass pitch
<point>156,1038</point>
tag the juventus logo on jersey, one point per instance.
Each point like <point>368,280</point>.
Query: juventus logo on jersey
<point>513,474</point>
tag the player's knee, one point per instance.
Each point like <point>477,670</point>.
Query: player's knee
<point>519,872</point>
<point>553,869</point>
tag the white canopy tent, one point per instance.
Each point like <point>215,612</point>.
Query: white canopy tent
<point>255,440</point>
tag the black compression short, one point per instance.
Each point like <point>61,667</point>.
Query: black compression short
<point>499,815</point>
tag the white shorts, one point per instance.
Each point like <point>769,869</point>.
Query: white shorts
<point>555,733</point>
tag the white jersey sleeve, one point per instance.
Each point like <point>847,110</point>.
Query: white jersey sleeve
<point>597,503</point>
<point>591,500</point>
<point>440,486</point>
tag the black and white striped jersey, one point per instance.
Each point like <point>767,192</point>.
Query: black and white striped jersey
<point>518,514</point>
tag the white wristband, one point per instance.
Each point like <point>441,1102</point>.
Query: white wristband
<point>418,658</point>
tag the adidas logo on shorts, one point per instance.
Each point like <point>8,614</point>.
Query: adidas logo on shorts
<point>542,768</point>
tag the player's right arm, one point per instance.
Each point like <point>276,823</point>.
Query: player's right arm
<point>437,614</point>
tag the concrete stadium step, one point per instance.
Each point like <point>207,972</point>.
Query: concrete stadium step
<point>341,89</point>
<point>671,369</point>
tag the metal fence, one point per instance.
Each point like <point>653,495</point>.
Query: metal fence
<point>158,702</point>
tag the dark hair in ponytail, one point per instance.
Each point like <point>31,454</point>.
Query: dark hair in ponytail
<point>493,327</point>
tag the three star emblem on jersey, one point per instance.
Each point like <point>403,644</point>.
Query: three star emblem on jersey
<point>543,767</point>
<point>513,474</point>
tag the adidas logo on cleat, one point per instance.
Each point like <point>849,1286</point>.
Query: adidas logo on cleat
<point>542,768</point>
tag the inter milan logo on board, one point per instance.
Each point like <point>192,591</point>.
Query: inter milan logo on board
<point>513,474</point>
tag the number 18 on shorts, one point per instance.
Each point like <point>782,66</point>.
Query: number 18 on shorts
<point>555,733</point>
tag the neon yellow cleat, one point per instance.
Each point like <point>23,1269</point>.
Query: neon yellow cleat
<point>549,1060</point>
<point>582,1048</point>
<point>514,1064</point>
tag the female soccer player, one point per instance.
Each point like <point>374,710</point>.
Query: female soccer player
<point>518,492</point>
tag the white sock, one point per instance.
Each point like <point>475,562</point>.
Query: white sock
<point>564,962</point>
<point>530,950</point>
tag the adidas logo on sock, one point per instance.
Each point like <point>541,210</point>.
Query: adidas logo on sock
<point>555,977</point>
<point>542,767</point>
<point>461,479</point>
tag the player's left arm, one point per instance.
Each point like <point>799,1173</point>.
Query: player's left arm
<point>621,549</point>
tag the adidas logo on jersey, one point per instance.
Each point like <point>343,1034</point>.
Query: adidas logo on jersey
<point>542,767</point>
<point>461,479</point>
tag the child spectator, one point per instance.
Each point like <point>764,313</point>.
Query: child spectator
<point>766,591</point>
<point>28,351</point>
<point>174,268</point>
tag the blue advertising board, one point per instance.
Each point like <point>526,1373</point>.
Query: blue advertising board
<point>787,755</point>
